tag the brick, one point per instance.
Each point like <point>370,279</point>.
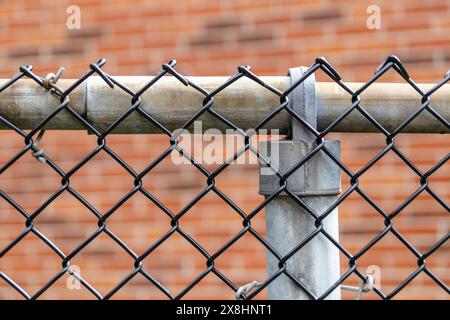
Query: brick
<point>84,33</point>
<point>24,52</point>
<point>223,24</point>
<point>71,48</point>
<point>255,37</point>
<point>328,13</point>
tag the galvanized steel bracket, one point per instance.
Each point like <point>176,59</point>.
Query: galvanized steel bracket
<point>319,175</point>
<point>303,103</point>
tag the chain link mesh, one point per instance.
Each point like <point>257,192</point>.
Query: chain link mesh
<point>176,226</point>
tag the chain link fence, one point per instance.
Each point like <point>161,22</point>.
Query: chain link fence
<point>33,137</point>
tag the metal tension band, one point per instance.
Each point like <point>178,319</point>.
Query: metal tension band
<point>309,179</point>
<point>303,102</point>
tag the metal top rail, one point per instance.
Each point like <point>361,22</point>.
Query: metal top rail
<point>244,102</point>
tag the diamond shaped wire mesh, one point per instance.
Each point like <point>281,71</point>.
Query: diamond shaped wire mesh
<point>176,225</point>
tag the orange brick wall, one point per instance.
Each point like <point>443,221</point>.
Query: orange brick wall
<point>213,38</point>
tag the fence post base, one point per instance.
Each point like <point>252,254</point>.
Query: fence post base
<point>317,182</point>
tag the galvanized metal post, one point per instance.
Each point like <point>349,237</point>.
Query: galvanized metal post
<point>317,182</point>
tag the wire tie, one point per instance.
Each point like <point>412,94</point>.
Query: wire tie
<point>49,82</point>
<point>40,152</point>
<point>365,286</point>
<point>247,288</point>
